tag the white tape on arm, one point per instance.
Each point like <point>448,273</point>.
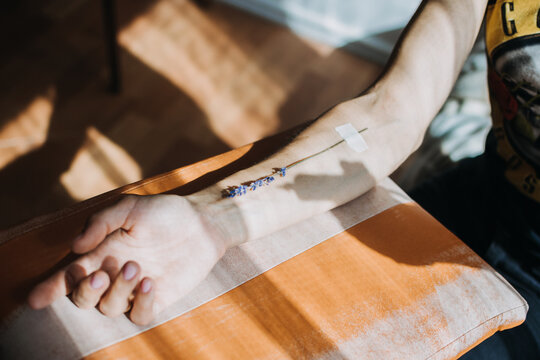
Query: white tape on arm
<point>353,138</point>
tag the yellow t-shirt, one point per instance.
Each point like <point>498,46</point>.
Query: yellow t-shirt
<point>513,50</point>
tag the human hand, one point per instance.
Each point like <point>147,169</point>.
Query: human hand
<point>145,250</point>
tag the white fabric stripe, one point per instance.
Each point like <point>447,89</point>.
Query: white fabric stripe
<point>63,331</point>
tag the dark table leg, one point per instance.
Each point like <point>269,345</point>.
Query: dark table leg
<point>109,25</point>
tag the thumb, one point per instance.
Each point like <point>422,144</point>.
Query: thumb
<point>102,224</point>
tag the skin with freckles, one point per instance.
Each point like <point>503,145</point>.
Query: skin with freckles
<point>147,252</point>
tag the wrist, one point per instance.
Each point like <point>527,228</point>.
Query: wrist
<point>221,217</point>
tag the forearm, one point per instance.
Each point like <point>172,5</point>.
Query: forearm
<point>318,184</point>
<point>396,111</point>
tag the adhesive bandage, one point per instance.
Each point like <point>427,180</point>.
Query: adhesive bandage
<point>349,134</point>
<point>353,137</point>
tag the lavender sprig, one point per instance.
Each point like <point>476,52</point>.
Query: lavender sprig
<point>242,189</point>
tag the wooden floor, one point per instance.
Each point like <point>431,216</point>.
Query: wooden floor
<point>196,82</point>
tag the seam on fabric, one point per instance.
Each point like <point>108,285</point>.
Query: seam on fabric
<point>474,328</point>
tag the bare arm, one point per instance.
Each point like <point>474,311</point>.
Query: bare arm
<point>396,111</point>
<point>168,244</point>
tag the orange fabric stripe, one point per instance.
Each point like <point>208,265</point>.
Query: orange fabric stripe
<point>320,298</point>
<point>34,250</point>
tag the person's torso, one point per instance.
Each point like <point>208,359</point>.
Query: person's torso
<point>513,50</point>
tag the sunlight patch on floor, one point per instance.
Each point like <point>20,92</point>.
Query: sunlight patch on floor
<point>28,130</point>
<point>181,43</point>
<point>98,166</point>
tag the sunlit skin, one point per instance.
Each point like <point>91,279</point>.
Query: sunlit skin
<point>168,244</point>
<point>137,237</point>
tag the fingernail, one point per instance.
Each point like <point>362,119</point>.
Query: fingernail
<point>96,281</point>
<point>130,271</point>
<point>146,286</point>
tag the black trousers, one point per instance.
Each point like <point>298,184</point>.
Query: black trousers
<point>501,225</point>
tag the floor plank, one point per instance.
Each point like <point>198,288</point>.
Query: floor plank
<point>196,81</point>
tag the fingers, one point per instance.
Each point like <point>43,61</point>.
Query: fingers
<point>117,299</point>
<point>102,224</point>
<point>112,299</point>
<point>143,305</point>
<point>90,290</point>
<point>58,285</point>
<point>46,292</point>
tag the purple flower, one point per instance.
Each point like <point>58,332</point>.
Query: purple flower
<point>252,186</point>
